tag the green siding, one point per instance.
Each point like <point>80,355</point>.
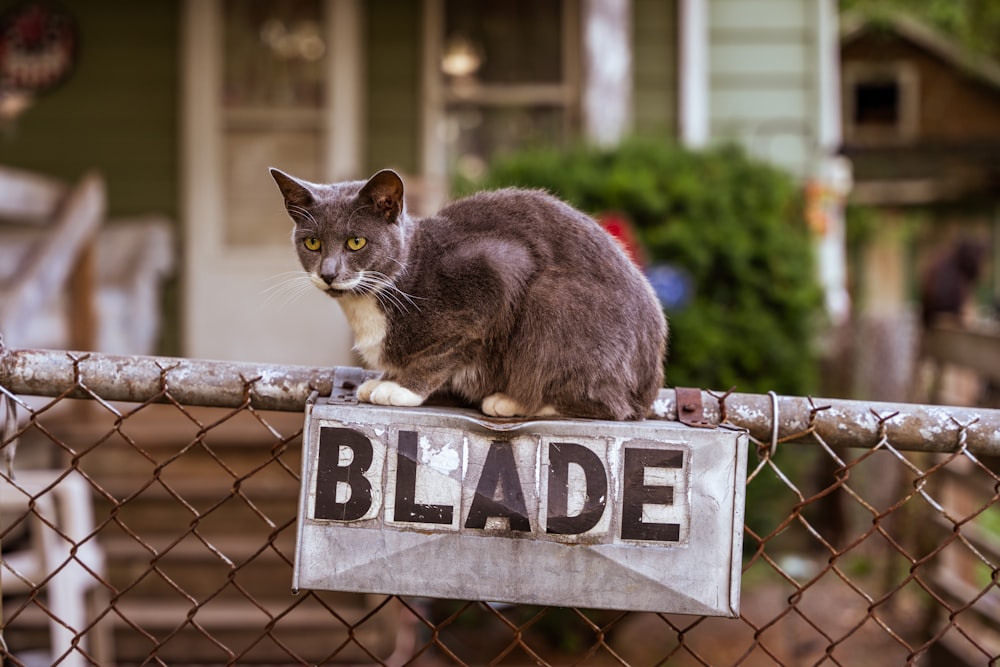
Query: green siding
<point>119,110</point>
<point>761,73</point>
<point>393,85</point>
<point>655,71</point>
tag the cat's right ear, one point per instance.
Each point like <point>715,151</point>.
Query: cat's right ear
<point>385,190</point>
<point>295,192</point>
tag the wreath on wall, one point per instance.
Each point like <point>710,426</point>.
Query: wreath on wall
<point>38,51</point>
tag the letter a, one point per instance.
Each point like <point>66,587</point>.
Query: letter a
<point>499,470</point>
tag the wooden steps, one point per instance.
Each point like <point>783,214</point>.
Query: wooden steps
<point>199,561</point>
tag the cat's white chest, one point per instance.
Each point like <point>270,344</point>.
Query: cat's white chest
<point>369,326</point>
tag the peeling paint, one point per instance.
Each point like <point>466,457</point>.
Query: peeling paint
<point>443,458</point>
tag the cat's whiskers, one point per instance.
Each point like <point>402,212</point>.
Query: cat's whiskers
<point>288,286</point>
<point>388,302</point>
<point>402,266</point>
<point>303,212</point>
<point>359,209</point>
<point>384,289</point>
<point>388,282</point>
<point>387,298</point>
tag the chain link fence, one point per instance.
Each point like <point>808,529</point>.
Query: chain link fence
<point>149,513</point>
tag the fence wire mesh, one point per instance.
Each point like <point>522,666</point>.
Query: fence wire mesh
<point>153,522</point>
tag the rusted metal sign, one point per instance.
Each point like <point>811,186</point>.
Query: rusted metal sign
<point>447,503</point>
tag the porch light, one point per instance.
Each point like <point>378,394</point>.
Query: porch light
<point>302,41</point>
<point>462,57</point>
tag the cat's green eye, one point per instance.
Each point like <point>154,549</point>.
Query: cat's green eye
<point>312,243</point>
<point>356,242</point>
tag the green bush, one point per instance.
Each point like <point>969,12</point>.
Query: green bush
<point>733,225</point>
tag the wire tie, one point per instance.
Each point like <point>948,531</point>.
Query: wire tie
<point>774,423</point>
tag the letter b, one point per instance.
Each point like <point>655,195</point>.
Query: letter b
<point>330,473</point>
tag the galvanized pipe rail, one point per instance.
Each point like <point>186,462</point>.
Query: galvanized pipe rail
<point>138,379</point>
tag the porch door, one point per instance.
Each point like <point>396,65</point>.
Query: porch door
<point>262,82</point>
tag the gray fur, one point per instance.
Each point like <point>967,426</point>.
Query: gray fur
<point>509,291</point>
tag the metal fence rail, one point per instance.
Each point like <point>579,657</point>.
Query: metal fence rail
<point>151,512</point>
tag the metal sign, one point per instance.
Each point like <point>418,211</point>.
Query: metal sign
<point>448,503</point>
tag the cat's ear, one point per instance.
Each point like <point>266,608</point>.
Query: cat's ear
<point>295,192</point>
<point>385,190</point>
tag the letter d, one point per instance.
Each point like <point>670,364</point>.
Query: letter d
<point>561,455</point>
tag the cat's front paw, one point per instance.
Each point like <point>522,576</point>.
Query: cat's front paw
<point>364,392</point>
<point>502,405</point>
<point>386,392</point>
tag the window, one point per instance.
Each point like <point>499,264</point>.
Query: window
<point>273,97</point>
<point>510,77</point>
<point>881,102</point>
<point>877,103</point>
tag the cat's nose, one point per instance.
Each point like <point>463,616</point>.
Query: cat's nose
<point>330,270</point>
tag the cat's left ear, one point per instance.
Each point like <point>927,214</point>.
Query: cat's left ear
<point>385,190</point>
<point>295,192</point>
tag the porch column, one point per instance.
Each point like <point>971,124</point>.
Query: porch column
<point>692,26</point>
<point>607,72</point>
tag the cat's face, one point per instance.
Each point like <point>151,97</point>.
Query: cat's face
<point>349,236</point>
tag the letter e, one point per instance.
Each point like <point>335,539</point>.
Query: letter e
<point>635,494</point>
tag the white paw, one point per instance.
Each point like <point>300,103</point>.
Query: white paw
<point>385,392</point>
<point>502,405</point>
<point>547,411</point>
<point>364,392</point>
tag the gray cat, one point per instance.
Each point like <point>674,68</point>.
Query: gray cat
<point>511,299</point>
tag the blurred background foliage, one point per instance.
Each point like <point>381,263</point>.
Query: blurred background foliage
<point>729,234</point>
<point>975,24</point>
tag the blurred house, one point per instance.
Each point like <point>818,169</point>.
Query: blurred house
<point>922,131</point>
<point>184,105</point>
<point>921,114</point>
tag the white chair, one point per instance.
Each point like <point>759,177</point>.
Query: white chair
<point>51,228</point>
<point>71,280</point>
<point>60,522</point>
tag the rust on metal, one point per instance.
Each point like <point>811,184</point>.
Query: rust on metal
<point>690,411</point>
<point>140,379</point>
<point>931,428</point>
